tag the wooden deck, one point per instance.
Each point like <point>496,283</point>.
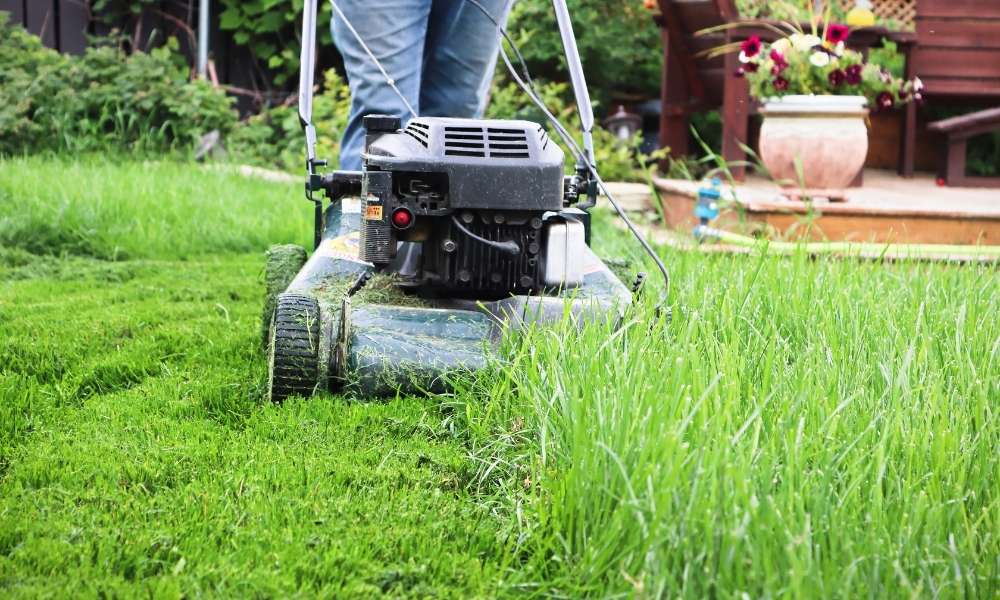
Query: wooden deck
<point>887,209</point>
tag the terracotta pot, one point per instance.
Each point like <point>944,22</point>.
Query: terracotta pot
<point>826,135</point>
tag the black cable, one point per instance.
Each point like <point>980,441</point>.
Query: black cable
<point>508,247</point>
<point>528,88</point>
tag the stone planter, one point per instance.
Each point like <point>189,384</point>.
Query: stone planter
<point>814,145</point>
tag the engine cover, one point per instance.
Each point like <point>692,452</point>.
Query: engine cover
<point>468,203</point>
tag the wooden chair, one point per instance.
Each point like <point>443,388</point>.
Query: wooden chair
<point>957,56</point>
<point>957,131</point>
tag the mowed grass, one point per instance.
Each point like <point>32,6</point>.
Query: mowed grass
<point>801,429</point>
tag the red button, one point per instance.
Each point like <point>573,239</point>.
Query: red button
<point>402,218</point>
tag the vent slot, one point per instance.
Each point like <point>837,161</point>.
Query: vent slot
<point>464,141</point>
<point>417,133</point>
<point>421,141</point>
<point>508,143</point>
<point>464,153</point>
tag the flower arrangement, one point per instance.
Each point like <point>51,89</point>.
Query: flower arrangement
<point>807,63</point>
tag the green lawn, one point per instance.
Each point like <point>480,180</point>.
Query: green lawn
<point>803,428</point>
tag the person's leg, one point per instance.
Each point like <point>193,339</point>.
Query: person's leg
<point>394,30</point>
<point>460,54</point>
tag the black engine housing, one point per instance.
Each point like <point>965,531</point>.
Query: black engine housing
<point>472,197</point>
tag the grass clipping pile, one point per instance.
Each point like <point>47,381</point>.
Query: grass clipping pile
<point>382,288</point>
<point>284,261</point>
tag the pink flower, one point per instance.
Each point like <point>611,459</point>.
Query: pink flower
<point>853,74</point>
<point>836,77</point>
<point>751,46</point>
<point>780,64</point>
<point>751,67</point>
<point>837,33</point>
<point>780,84</point>
<point>884,100</point>
<point>739,73</point>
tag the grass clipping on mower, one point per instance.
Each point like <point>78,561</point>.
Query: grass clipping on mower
<point>382,288</point>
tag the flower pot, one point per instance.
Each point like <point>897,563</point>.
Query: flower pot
<point>814,145</point>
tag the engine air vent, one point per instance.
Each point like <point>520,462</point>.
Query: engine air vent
<point>508,143</point>
<point>464,141</point>
<point>417,131</point>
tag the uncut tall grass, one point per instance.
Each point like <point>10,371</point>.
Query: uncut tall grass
<point>802,428</point>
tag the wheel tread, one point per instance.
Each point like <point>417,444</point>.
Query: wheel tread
<point>295,357</point>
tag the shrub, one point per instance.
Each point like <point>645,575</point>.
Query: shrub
<point>103,100</point>
<point>28,82</point>
<point>274,137</point>
<point>616,160</point>
<point>618,41</point>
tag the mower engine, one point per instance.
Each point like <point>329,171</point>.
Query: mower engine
<point>469,208</point>
<point>474,216</point>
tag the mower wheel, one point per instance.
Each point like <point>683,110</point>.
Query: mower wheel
<point>293,351</point>
<point>281,264</point>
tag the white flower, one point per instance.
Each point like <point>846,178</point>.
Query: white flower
<point>839,49</point>
<point>819,59</point>
<point>805,42</point>
<point>917,84</point>
<point>781,45</point>
<point>743,57</point>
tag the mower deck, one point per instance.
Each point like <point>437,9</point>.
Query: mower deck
<point>381,341</point>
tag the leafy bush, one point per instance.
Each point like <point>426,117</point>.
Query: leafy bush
<point>274,137</point>
<point>270,29</point>
<point>28,80</point>
<point>103,100</point>
<point>617,160</point>
<point>618,41</point>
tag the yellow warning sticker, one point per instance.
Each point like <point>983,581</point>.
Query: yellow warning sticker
<point>345,247</point>
<point>373,212</point>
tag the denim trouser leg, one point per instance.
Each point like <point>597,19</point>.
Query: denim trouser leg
<point>460,55</point>
<point>441,54</point>
<point>394,30</point>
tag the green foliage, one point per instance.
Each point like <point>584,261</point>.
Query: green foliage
<point>616,160</point>
<point>103,100</point>
<point>113,11</point>
<point>618,41</point>
<point>784,10</point>
<point>29,80</point>
<point>271,30</point>
<point>274,137</point>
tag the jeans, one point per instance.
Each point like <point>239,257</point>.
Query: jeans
<point>441,54</point>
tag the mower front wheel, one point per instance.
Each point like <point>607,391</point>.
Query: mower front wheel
<point>281,263</point>
<point>293,348</point>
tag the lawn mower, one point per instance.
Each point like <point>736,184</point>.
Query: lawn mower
<point>455,232</point>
